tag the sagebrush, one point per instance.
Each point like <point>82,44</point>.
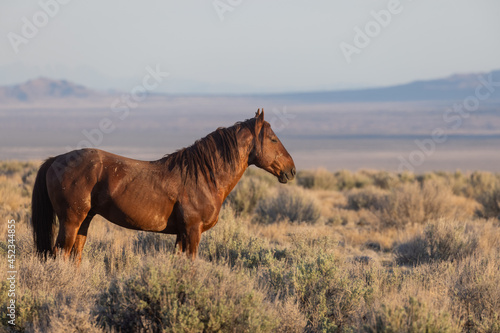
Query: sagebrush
<point>367,251</point>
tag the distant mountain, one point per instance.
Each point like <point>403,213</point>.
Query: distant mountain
<point>44,88</point>
<point>455,87</point>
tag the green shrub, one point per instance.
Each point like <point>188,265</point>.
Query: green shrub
<point>290,203</point>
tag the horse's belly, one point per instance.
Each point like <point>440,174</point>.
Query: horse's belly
<point>148,221</point>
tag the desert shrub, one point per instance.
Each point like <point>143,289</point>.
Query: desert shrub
<point>246,194</point>
<point>10,168</point>
<point>490,202</point>
<point>385,180</point>
<point>414,203</point>
<point>341,180</point>
<point>406,177</point>
<point>62,318</point>
<point>476,287</point>
<point>305,178</point>
<point>235,249</point>
<point>413,316</point>
<point>366,198</point>
<point>403,205</point>
<point>482,181</point>
<point>307,275</point>
<point>442,240</point>
<point>471,185</point>
<point>152,243</point>
<point>479,182</point>
<point>175,294</point>
<point>232,245</point>
<point>261,175</point>
<point>282,277</point>
<point>118,251</point>
<point>318,179</point>
<point>329,293</point>
<point>12,194</point>
<point>366,217</point>
<point>457,181</point>
<point>53,291</point>
<point>290,203</point>
<point>346,180</point>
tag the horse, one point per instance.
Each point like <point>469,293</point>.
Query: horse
<point>181,193</point>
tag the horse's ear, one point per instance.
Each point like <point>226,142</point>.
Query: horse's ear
<point>259,121</point>
<point>260,115</point>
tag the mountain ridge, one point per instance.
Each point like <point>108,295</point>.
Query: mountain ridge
<point>454,87</point>
<point>43,88</point>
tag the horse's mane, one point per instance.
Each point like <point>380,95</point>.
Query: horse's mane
<point>207,154</point>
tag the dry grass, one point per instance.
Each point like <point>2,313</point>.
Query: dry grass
<point>387,253</point>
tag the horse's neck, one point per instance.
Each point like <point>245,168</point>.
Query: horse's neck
<point>228,179</point>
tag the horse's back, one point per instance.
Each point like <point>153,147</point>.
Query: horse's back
<point>78,163</point>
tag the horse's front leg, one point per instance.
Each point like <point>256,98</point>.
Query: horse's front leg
<point>189,240</point>
<point>180,243</point>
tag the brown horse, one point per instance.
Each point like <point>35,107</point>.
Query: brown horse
<point>180,194</point>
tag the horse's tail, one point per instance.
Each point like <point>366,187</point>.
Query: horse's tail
<point>43,217</point>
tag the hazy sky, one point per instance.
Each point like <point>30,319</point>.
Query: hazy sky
<point>259,46</point>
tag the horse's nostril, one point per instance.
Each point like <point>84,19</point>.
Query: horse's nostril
<point>293,171</point>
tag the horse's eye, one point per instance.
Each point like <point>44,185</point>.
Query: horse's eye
<point>274,140</point>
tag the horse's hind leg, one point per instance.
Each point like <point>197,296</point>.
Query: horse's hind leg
<point>69,224</point>
<point>81,237</point>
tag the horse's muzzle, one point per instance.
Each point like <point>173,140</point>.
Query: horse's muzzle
<point>285,176</point>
